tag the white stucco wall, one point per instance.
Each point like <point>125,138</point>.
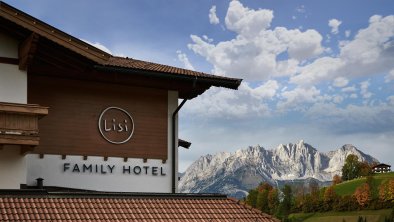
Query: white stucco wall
<point>51,169</point>
<point>12,167</point>
<point>13,82</point>
<point>13,89</point>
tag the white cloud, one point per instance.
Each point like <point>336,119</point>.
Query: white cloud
<point>353,96</point>
<point>369,53</point>
<point>294,98</point>
<point>206,38</point>
<point>347,33</point>
<point>337,99</point>
<point>340,82</point>
<point>213,19</point>
<point>349,89</point>
<point>321,69</point>
<point>185,60</point>
<point>364,89</point>
<point>389,77</point>
<point>247,22</point>
<point>353,117</point>
<point>243,103</point>
<point>98,45</point>
<point>390,99</point>
<point>265,91</point>
<point>253,54</point>
<point>334,24</point>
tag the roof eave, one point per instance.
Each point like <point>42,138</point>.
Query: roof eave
<point>218,82</point>
<point>43,29</point>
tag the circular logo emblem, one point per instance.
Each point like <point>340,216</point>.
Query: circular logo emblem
<point>116,125</point>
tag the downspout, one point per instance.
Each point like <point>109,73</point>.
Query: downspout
<point>174,173</point>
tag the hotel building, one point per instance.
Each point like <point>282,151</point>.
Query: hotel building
<point>88,136</point>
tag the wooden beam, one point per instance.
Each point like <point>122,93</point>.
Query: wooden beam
<point>26,51</point>
<point>6,60</point>
<point>28,109</point>
<point>26,149</point>
<point>19,140</point>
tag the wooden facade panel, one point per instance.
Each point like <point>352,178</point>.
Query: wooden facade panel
<point>72,125</point>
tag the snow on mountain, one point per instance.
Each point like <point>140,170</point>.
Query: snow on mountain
<point>236,173</point>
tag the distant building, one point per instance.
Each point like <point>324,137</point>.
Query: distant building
<point>381,168</point>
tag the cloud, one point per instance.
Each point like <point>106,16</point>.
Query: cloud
<point>347,33</point>
<point>340,82</point>
<point>389,77</point>
<point>353,118</point>
<point>294,98</point>
<point>349,89</point>
<point>253,53</point>
<point>364,89</point>
<point>334,24</point>
<point>370,52</point>
<point>225,103</point>
<point>183,58</point>
<point>98,45</point>
<point>245,21</point>
<point>264,91</point>
<point>213,19</point>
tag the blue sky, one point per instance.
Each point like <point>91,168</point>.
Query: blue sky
<point>321,71</point>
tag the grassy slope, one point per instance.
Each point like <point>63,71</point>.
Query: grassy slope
<point>348,187</point>
<point>371,215</point>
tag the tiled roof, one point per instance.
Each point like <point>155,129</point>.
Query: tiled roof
<point>150,66</point>
<point>56,208</point>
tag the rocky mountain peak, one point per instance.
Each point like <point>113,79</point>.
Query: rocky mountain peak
<point>244,169</point>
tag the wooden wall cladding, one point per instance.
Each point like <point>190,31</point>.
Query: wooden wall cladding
<point>71,127</point>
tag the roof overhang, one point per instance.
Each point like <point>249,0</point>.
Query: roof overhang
<point>90,61</point>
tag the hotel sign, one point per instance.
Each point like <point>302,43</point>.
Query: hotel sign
<point>80,121</point>
<point>116,125</point>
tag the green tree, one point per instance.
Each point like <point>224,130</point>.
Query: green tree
<point>259,200</point>
<point>286,204</point>
<point>251,199</point>
<point>351,168</point>
<point>262,201</point>
<point>273,201</point>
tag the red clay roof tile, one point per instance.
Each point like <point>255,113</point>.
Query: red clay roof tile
<point>127,208</point>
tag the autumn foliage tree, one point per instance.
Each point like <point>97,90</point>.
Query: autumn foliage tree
<point>363,195</point>
<point>329,198</point>
<point>386,191</point>
<point>336,179</point>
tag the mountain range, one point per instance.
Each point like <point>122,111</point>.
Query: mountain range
<point>236,173</point>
